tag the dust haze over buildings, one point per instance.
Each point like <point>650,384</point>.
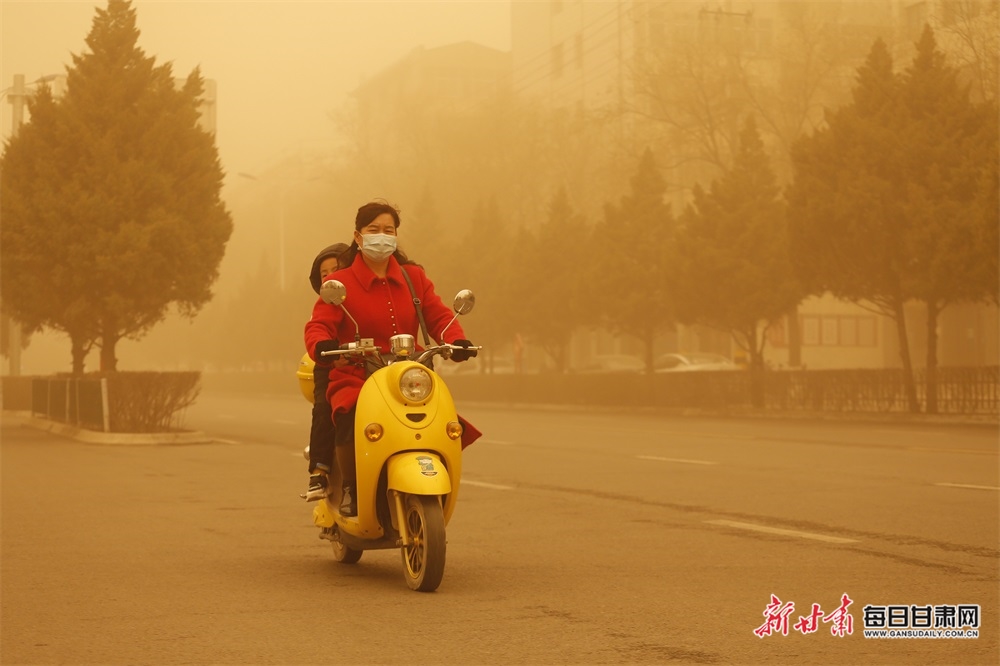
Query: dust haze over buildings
<point>282,70</point>
<point>471,116</point>
<point>281,67</point>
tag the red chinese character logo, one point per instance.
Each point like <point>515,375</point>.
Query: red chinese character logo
<point>842,624</point>
<point>777,618</point>
<point>808,625</point>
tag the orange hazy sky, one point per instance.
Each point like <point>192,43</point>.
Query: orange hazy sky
<point>281,67</point>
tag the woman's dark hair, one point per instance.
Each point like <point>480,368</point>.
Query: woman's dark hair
<point>366,215</point>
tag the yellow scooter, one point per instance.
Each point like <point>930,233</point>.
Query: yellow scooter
<point>408,450</point>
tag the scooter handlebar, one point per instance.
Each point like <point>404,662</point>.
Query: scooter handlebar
<point>368,347</point>
<point>444,349</point>
<point>362,346</point>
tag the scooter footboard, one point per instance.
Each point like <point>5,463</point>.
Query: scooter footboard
<point>418,473</point>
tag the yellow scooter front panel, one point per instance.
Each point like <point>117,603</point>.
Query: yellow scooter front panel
<point>380,402</point>
<point>418,473</point>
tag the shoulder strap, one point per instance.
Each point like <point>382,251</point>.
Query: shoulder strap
<point>417,305</point>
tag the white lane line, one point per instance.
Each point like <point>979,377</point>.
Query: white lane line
<point>703,435</point>
<point>927,449</point>
<point>678,460</point>
<point>778,530</point>
<point>965,485</point>
<point>483,484</point>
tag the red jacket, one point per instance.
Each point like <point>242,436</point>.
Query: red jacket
<point>382,308</point>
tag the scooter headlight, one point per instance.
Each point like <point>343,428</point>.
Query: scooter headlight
<point>415,384</point>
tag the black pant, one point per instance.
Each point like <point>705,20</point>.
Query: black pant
<point>344,441</point>
<point>322,433</point>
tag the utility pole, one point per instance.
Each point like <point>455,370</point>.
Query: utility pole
<point>16,98</point>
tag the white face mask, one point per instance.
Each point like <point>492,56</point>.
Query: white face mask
<point>378,247</point>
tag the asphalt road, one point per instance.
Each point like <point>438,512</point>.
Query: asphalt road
<point>579,538</point>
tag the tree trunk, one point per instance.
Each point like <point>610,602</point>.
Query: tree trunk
<point>933,311</point>
<point>109,362</point>
<point>79,350</point>
<point>649,345</point>
<point>756,370</point>
<point>794,339</point>
<point>904,354</point>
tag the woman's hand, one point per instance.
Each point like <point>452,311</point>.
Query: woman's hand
<point>465,353</point>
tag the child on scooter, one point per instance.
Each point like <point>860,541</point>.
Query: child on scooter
<point>321,432</point>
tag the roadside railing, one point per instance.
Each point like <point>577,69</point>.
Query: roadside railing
<point>75,401</point>
<point>970,391</point>
<point>133,402</point>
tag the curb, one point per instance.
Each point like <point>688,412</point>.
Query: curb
<point>888,418</point>
<point>112,438</point>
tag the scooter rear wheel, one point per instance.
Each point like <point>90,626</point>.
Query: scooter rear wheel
<point>423,559</point>
<point>345,555</point>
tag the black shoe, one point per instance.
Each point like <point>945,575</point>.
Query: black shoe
<point>349,503</point>
<point>317,488</point>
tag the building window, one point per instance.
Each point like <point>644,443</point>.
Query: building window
<point>776,334</point>
<point>849,331</point>
<point>867,333</point>
<point>810,330</point>
<point>830,330</point>
<point>839,330</point>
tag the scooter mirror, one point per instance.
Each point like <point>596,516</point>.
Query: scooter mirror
<point>465,300</point>
<point>333,292</point>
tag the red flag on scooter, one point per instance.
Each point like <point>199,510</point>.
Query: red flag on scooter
<point>469,433</point>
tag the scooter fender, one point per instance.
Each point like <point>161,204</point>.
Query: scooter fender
<point>418,473</point>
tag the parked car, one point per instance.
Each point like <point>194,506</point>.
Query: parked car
<point>693,362</point>
<point>612,363</point>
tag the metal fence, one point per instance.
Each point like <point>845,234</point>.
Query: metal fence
<point>959,390</point>
<point>81,402</point>
<point>972,391</point>
<point>137,402</point>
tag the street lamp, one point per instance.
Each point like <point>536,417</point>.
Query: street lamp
<point>284,183</point>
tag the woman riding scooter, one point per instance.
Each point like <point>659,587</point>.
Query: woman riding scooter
<point>378,277</point>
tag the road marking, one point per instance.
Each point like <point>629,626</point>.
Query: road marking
<point>966,485</point>
<point>704,435</point>
<point>678,460</point>
<point>483,484</point>
<point>778,530</point>
<point>983,452</point>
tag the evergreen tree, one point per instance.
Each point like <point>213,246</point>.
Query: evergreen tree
<point>634,239</point>
<point>892,201</point>
<point>952,150</point>
<point>845,218</point>
<point>489,244</point>
<point>731,269</point>
<point>549,280</point>
<point>110,197</point>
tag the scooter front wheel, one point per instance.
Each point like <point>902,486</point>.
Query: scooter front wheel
<point>423,558</point>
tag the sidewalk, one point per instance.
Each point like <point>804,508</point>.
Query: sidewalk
<point>892,418</point>
<point>14,419</point>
